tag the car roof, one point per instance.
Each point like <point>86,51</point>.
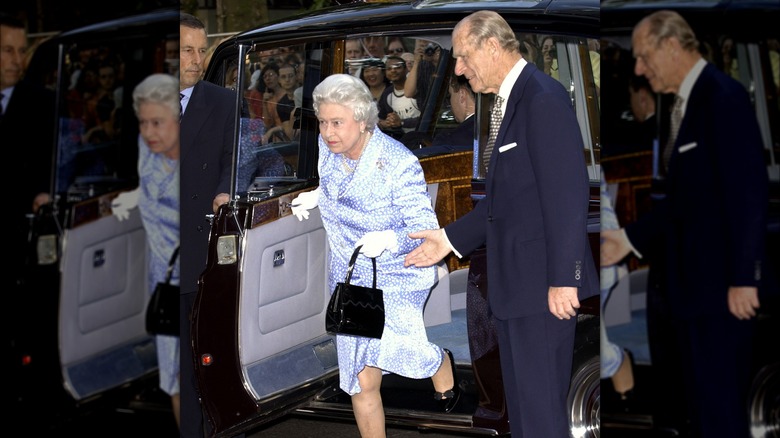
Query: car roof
<point>753,18</point>
<point>565,17</point>
<point>125,24</point>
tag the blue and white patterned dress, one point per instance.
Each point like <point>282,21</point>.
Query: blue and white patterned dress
<point>387,191</point>
<point>611,353</point>
<point>158,203</point>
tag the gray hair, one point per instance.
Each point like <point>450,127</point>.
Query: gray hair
<point>482,25</point>
<point>669,24</point>
<point>160,88</point>
<point>349,91</point>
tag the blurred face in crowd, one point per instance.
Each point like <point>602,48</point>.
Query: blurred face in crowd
<point>353,49</point>
<point>375,46</point>
<point>395,48</point>
<point>271,79</point>
<point>107,77</point>
<point>192,55</point>
<point>547,50</point>
<point>374,76</point>
<point>13,46</point>
<point>395,69</point>
<point>159,127</point>
<point>287,78</point>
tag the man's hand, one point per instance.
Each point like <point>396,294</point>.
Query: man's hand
<point>124,202</point>
<point>743,301</point>
<point>614,246</point>
<point>563,301</point>
<point>40,200</point>
<point>430,252</point>
<point>222,198</point>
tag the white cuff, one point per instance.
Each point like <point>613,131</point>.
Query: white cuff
<point>446,239</point>
<point>630,246</point>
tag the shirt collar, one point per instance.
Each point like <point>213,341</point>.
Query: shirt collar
<point>187,92</point>
<point>687,84</point>
<point>509,82</point>
<point>6,92</point>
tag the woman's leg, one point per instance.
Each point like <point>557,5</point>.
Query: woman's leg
<point>442,380</point>
<point>176,404</point>
<point>367,404</point>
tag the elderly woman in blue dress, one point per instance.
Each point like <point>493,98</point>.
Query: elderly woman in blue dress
<point>372,193</point>
<point>156,104</point>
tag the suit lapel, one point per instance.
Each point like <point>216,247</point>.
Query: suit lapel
<point>194,118</point>
<point>511,107</point>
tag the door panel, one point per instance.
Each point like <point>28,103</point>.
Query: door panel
<point>282,304</point>
<point>103,296</point>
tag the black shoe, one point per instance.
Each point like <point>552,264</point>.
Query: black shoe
<point>628,398</point>
<point>448,399</point>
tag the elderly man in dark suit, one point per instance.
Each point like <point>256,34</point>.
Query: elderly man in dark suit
<point>705,239</point>
<point>533,221</point>
<point>207,122</point>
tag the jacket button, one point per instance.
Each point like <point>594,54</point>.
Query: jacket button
<point>205,165</point>
<point>200,228</point>
<point>195,196</point>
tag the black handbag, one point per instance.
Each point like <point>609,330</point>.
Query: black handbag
<point>356,310</point>
<point>162,312</point>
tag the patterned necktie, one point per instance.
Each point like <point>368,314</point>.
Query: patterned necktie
<point>495,122</point>
<point>181,109</point>
<point>674,128</point>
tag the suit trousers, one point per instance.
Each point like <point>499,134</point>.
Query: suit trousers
<point>705,363</point>
<point>536,362</point>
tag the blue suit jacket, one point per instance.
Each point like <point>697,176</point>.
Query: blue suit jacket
<point>711,225</point>
<point>206,160</point>
<point>533,218</point>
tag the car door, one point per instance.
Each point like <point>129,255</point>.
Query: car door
<point>88,268</point>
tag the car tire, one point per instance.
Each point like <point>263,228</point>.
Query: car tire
<point>584,400</point>
<point>764,402</point>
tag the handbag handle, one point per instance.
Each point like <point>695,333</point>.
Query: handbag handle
<point>352,265</point>
<point>171,262</point>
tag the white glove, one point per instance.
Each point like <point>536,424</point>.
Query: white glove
<point>122,204</point>
<point>376,242</point>
<point>304,202</point>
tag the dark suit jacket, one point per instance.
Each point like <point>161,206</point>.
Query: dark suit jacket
<point>206,159</point>
<point>459,139</point>
<point>712,224</point>
<point>27,133</point>
<point>533,218</point>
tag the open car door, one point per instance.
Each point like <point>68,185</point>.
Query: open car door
<point>87,268</point>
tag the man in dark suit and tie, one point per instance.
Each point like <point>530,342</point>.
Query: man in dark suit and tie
<point>532,220</point>
<point>27,137</point>
<point>26,125</point>
<point>463,105</point>
<point>207,122</point>
<point>705,239</point>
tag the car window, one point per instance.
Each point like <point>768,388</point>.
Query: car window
<point>278,127</point>
<point>97,133</point>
